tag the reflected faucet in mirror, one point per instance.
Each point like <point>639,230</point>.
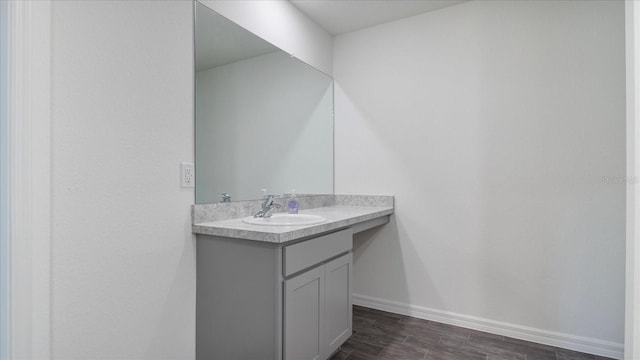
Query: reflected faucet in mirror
<point>225,197</point>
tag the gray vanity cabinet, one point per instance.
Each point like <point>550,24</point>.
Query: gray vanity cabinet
<point>260,300</point>
<point>317,314</point>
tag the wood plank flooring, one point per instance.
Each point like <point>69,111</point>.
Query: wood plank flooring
<point>383,335</point>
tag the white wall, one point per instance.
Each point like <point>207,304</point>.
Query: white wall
<point>263,122</point>
<point>282,24</point>
<point>495,124</point>
<point>632,297</point>
<point>4,184</point>
<point>28,143</point>
<point>123,260</point>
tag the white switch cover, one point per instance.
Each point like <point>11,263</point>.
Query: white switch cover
<point>187,175</point>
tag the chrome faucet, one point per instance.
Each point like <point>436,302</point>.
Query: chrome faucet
<point>267,206</point>
<point>226,197</point>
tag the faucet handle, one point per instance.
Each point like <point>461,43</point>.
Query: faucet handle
<point>226,197</point>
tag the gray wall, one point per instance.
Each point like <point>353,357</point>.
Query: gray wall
<point>500,128</point>
<point>122,253</point>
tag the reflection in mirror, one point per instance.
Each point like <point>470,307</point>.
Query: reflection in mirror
<point>263,118</point>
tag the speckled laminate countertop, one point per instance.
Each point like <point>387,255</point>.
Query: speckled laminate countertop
<point>337,216</point>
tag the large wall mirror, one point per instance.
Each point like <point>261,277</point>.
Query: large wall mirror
<point>263,119</point>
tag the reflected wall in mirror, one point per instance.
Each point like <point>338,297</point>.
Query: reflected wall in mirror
<point>263,118</point>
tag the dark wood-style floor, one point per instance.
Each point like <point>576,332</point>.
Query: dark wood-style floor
<point>383,335</point>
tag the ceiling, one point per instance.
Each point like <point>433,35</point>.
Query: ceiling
<point>341,16</point>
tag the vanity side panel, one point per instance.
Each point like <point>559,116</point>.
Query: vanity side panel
<point>236,298</point>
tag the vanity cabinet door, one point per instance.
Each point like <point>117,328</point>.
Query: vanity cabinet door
<point>338,310</point>
<point>304,316</point>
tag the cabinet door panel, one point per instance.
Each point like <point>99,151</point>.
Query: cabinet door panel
<point>304,316</point>
<point>338,316</point>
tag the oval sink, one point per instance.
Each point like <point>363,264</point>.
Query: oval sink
<point>283,219</point>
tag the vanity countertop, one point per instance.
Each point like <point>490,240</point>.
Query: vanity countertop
<point>337,217</point>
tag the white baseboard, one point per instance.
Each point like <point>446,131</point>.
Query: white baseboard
<point>551,338</point>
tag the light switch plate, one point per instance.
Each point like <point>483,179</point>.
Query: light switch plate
<point>187,175</point>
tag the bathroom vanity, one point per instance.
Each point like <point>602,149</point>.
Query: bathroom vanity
<point>267,291</point>
<point>278,292</point>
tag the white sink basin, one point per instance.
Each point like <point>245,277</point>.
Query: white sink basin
<point>282,219</point>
